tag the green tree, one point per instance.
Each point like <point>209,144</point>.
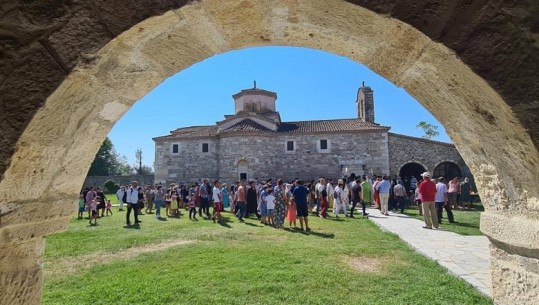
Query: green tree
<point>107,161</point>
<point>431,130</point>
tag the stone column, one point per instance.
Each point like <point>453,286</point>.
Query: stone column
<point>21,273</point>
<point>514,260</point>
<point>23,229</point>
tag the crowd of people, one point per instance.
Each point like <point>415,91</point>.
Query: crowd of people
<point>277,203</point>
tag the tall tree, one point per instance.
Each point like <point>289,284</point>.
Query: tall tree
<point>107,161</point>
<point>138,158</point>
<point>431,130</point>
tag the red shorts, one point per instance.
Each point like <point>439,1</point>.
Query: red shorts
<point>218,206</point>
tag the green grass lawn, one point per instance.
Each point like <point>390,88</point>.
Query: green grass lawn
<point>466,222</point>
<point>349,261</point>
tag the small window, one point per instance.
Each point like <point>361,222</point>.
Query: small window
<point>290,145</point>
<point>205,147</point>
<point>323,144</point>
<point>175,148</point>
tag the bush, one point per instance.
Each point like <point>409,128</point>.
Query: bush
<point>111,187</point>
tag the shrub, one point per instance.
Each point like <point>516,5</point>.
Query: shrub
<point>111,187</point>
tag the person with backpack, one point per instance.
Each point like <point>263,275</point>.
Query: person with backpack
<point>132,203</point>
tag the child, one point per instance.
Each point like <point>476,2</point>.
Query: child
<point>167,203</point>
<point>81,206</point>
<point>418,201</point>
<point>292,213</point>
<point>270,205</point>
<point>192,205</point>
<point>109,207</point>
<point>174,204</point>
<point>93,209</point>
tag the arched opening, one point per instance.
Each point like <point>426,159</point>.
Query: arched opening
<point>243,170</point>
<point>54,151</point>
<point>448,170</point>
<point>409,171</point>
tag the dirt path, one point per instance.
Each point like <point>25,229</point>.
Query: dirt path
<point>56,268</point>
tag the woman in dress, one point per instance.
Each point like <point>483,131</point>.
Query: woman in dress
<point>226,199</point>
<point>280,204</point>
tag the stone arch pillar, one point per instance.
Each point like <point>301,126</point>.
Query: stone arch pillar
<point>46,167</point>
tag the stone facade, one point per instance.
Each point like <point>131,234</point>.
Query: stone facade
<point>404,150</point>
<point>266,157</point>
<point>240,145</point>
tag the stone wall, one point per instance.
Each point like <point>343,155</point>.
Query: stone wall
<point>267,157</point>
<point>190,164</point>
<point>121,180</point>
<point>403,149</point>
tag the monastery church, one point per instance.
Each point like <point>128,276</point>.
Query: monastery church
<point>254,142</point>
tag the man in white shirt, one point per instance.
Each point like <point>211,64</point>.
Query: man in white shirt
<point>339,203</point>
<point>132,201</point>
<point>442,202</point>
<point>331,190</point>
<point>217,201</point>
<point>120,195</point>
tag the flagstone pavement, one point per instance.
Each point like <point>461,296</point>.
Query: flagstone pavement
<point>464,256</point>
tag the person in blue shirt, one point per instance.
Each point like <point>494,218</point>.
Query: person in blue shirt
<point>300,193</point>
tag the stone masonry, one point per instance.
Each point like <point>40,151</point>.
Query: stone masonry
<point>404,149</point>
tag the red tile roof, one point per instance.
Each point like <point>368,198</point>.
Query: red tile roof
<point>299,127</point>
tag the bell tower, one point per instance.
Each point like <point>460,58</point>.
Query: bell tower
<point>365,104</point>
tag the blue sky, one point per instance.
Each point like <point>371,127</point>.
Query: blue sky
<point>310,85</point>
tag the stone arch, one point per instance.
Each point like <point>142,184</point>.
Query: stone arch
<point>50,152</point>
<point>411,172</point>
<point>454,172</point>
<point>412,161</point>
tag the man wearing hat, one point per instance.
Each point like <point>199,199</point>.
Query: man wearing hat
<point>427,192</point>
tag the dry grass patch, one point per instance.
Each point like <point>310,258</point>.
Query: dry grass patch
<point>56,268</point>
<point>371,264</point>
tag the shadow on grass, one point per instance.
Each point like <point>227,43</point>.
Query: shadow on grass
<point>162,219</point>
<point>317,234</point>
<point>335,219</point>
<point>225,222</point>
<point>135,226</point>
<point>252,224</point>
<point>463,224</point>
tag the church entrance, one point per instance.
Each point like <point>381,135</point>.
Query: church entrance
<point>448,170</point>
<point>243,169</point>
<point>410,170</point>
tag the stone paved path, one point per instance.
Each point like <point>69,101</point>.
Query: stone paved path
<point>464,256</point>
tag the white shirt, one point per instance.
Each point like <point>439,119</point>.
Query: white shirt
<point>216,194</point>
<point>338,193</point>
<point>441,190</point>
<point>330,189</point>
<point>120,194</point>
<point>270,202</point>
<point>132,195</point>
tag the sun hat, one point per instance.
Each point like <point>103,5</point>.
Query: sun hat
<point>426,174</point>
